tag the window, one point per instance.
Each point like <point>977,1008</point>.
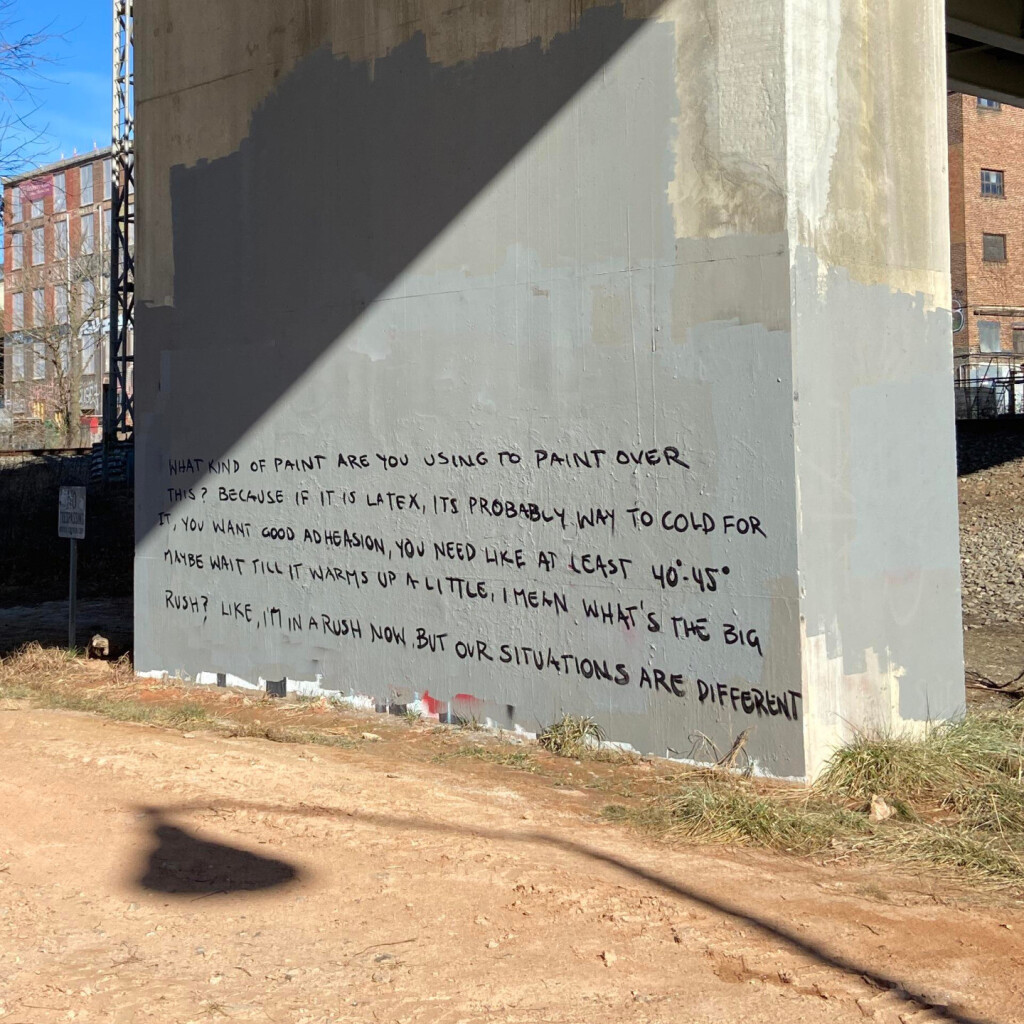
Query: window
<point>60,239</point>
<point>988,336</point>
<point>1018,339</point>
<point>88,298</point>
<point>987,104</point>
<point>38,247</point>
<point>17,362</point>
<point>992,183</point>
<point>993,248</point>
<point>106,178</point>
<point>17,311</point>
<point>85,177</point>
<point>65,356</point>
<point>17,250</point>
<point>88,233</point>
<point>35,208</point>
<point>38,307</point>
<point>60,303</point>
<point>15,204</point>
<point>90,349</point>
<point>90,395</point>
<point>60,193</point>
<point>39,361</point>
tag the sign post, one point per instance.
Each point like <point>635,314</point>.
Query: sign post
<point>71,524</point>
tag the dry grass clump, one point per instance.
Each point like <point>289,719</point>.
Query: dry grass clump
<point>52,678</point>
<point>572,736</point>
<point>984,749</point>
<point>968,773</point>
<point>286,734</point>
<point>21,673</point>
<point>57,679</point>
<point>957,797</point>
<point>502,754</point>
<point>960,791</point>
<point>723,810</point>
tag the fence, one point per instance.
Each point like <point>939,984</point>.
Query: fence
<point>988,385</point>
<point>33,564</point>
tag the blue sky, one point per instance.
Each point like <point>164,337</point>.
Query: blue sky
<point>72,99</point>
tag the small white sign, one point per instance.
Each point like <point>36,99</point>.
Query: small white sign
<point>71,520</point>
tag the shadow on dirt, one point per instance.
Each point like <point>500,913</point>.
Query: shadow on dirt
<point>182,863</point>
<point>777,930</point>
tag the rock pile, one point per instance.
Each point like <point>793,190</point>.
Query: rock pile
<point>990,460</point>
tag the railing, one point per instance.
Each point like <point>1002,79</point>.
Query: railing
<point>987,386</point>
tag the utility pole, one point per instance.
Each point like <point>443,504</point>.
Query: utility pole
<point>118,412</point>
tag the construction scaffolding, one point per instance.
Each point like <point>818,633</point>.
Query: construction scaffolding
<point>118,410</point>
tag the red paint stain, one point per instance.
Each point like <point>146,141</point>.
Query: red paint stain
<point>432,704</point>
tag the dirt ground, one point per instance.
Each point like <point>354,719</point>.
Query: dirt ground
<point>150,874</point>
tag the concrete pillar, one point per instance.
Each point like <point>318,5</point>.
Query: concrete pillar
<point>654,300</point>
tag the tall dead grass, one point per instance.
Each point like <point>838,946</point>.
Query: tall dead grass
<point>957,797</point>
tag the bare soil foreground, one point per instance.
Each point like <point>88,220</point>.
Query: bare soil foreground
<point>409,872</point>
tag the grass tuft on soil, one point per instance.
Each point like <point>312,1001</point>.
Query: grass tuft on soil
<point>957,797</point>
<point>571,736</point>
<point>52,678</point>
<point>718,809</point>
<point>500,753</point>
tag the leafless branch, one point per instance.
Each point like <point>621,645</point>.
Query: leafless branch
<point>23,64</point>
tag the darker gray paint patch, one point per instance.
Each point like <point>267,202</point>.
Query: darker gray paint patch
<point>348,172</point>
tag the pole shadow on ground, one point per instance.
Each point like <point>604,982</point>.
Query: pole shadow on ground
<point>911,996</point>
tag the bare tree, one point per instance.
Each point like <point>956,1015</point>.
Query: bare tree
<point>22,66</point>
<point>64,350</point>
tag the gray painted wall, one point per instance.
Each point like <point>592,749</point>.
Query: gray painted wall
<point>549,229</point>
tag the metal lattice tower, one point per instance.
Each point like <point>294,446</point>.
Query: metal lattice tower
<point>118,411</point>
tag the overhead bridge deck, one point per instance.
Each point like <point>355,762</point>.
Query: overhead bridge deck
<point>985,48</point>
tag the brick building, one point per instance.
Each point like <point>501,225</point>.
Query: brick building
<point>56,267</point>
<point>986,205</point>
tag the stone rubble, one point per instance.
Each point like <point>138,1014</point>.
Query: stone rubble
<point>991,485</point>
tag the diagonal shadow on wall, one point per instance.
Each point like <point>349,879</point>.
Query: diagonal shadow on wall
<point>348,172</point>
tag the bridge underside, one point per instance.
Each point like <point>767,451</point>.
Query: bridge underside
<point>985,48</point>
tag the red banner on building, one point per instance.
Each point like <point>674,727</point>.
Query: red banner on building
<point>37,188</point>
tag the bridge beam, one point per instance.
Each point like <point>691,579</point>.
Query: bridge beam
<point>985,49</point>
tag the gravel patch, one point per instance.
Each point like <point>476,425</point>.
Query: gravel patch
<point>991,485</point>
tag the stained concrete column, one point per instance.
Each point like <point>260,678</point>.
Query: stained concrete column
<point>647,302</point>
<point>876,511</point>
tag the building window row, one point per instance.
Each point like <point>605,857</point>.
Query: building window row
<point>59,190</point>
<point>90,309</point>
<point>87,244</point>
<point>987,104</point>
<point>29,358</point>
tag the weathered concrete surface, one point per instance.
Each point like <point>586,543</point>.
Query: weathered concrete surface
<point>512,227</point>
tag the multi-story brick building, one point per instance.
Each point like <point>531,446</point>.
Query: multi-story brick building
<point>56,267</point>
<point>986,205</point>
